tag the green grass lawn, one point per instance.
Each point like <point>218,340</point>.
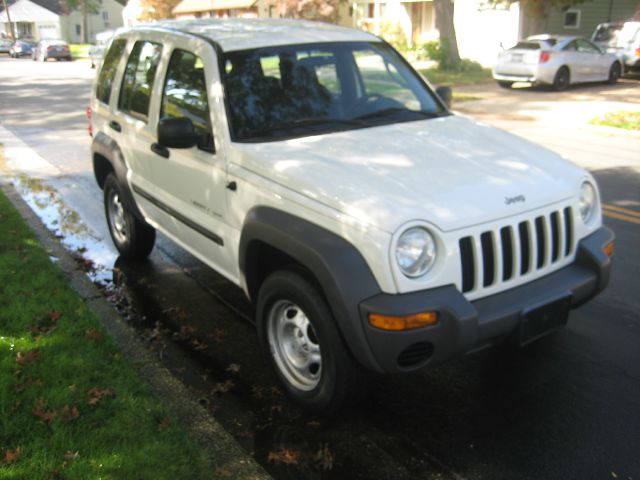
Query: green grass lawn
<point>439,77</point>
<point>71,405</point>
<point>619,119</point>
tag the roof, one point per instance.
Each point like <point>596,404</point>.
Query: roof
<point>33,11</point>
<point>192,6</point>
<point>243,33</point>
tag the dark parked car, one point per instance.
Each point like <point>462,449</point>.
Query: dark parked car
<point>21,48</point>
<point>46,49</point>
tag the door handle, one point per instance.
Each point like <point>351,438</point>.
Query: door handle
<point>115,125</point>
<point>160,150</point>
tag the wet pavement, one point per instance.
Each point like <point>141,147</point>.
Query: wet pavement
<point>566,407</point>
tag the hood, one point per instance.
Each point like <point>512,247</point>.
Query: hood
<point>452,172</point>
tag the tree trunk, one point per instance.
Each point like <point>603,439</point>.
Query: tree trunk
<point>85,15</point>
<point>444,24</point>
<point>11,25</point>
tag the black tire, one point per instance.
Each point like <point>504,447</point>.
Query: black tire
<point>615,72</point>
<point>133,237</point>
<point>505,84</point>
<point>562,79</point>
<point>286,302</point>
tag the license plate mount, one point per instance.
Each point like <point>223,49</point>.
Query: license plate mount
<point>540,320</point>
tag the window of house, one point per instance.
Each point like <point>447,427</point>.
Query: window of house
<point>105,16</point>
<point>137,82</point>
<point>78,30</point>
<point>185,95</point>
<point>572,19</point>
<point>108,70</point>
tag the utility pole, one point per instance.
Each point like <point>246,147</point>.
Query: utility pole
<point>11,26</point>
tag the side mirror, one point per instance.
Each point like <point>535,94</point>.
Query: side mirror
<point>176,133</point>
<point>446,95</point>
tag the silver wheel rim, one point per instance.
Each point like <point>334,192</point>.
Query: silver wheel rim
<point>563,79</point>
<point>294,345</point>
<point>116,218</point>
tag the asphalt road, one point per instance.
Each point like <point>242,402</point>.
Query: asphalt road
<point>566,407</point>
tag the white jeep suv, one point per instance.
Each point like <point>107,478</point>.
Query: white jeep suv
<point>312,166</point>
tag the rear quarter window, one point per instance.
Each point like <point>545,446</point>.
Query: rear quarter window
<point>137,82</point>
<point>108,70</point>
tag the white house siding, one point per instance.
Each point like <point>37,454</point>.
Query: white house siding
<point>481,31</point>
<point>96,23</point>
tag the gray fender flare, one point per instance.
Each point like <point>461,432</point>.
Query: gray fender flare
<point>338,267</point>
<point>106,147</point>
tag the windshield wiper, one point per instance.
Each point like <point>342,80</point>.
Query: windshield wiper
<point>393,110</point>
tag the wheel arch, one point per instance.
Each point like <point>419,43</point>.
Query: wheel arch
<point>272,239</point>
<point>107,158</point>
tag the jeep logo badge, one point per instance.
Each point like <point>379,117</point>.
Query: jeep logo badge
<point>510,200</point>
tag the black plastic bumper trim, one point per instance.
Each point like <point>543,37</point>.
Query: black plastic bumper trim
<point>465,326</point>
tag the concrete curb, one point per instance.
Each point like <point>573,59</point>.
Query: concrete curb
<point>230,459</point>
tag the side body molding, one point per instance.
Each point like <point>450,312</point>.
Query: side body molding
<point>339,268</point>
<point>104,148</point>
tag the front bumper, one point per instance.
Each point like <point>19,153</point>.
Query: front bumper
<point>466,326</point>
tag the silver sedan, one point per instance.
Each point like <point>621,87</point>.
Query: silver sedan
<point>555,60</point>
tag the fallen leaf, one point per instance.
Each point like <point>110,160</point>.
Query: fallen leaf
<point>233,368</point>
<point>218,335</point>
<point>324,458</point>
<point>69,413</point>
<point>54,315</point>
<point>223,387</point>
<point>43,414</point>
<point>185,333</point>
<point>93,335</point>
<point>71,455</point>
<point>25,358</point>
<point>12,456</point>
<point>96,394</point>
<point>27,384</point>
<point>42,330</point>
<point>284,455</point>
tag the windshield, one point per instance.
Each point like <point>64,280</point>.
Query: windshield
<point>299,90</point>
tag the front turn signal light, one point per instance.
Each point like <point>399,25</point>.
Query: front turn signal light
<point>608,249</point>
<point>404,322</point>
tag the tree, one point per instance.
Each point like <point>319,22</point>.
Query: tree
<point>11,26</point>
<point>86,7</point>
<point>323,10</point>
<point>157,9</point>
<point>444,10</point>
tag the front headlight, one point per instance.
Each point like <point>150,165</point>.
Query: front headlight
<point>415,252</point>
<point>588,202</point>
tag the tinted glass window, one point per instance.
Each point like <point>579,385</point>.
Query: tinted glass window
<point>526,46</point>
<point>108,70</point>
<point>137,82</point>
<point>185,95</point>
<point>300,90</point>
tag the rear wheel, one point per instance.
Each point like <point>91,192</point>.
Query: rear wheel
<point>300,337</point>
<point>614,73</point>
<point>133,238</point>
<point>505,84</point>
<point>562,79</point>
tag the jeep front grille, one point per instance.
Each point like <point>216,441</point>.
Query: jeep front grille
<point>515,250</point>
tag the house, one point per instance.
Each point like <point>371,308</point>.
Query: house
<point>41,19</point>
<point>582,18</point>
<point>216,9</point>
<point>480,29</point>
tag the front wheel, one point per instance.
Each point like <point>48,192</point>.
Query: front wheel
<point>300,337</point>
<point>133,238</point>
<point>614,73</point>
<point>562,79</point>
<point>505,84</point>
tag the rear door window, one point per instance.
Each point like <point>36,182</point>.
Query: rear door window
<point>137,82</point>
<point>108,70</point>
<point>185,95</point>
